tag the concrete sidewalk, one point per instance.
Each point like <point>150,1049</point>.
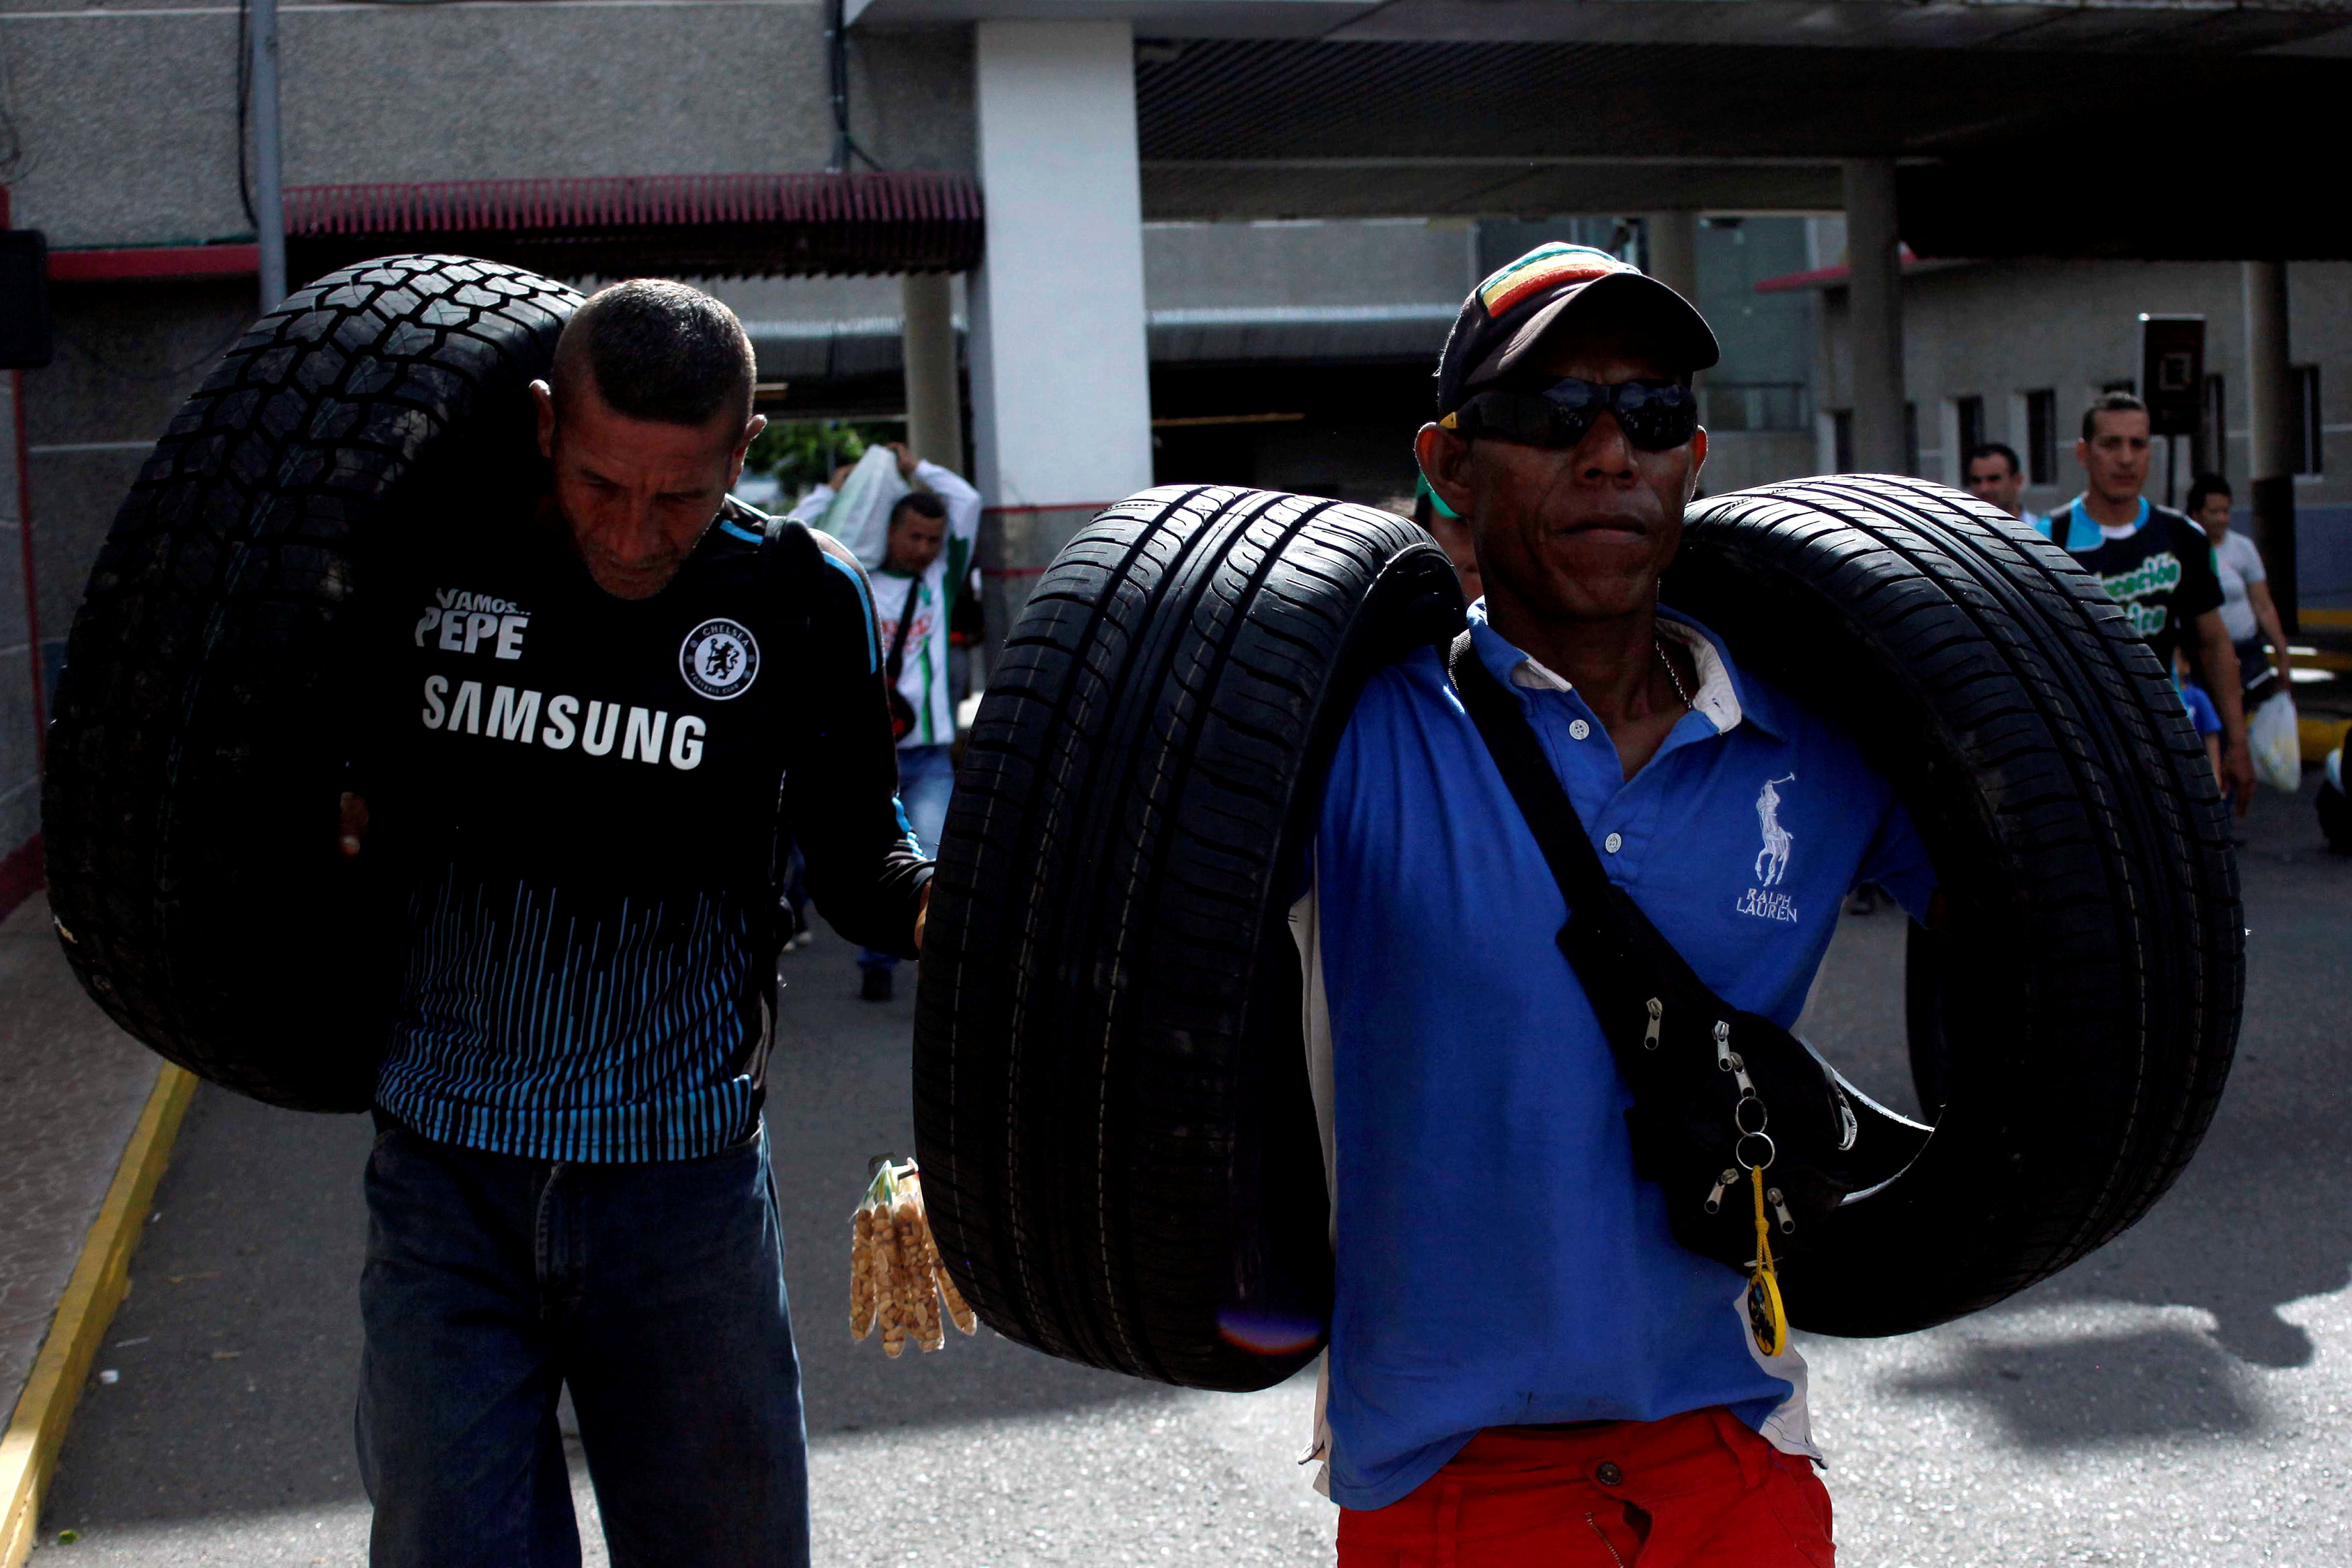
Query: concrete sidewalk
<point>71,1087</point>
<point>72,1091</point>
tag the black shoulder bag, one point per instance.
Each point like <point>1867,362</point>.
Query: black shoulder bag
<point>1733,1117</point>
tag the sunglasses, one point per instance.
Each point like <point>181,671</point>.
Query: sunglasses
<point>1657,416</point>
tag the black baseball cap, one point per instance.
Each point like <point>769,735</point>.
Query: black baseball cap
<point>1507,316</point>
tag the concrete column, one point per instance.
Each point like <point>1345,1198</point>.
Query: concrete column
<point>2271,432</point>
<point>268,174</point>
<point>1060,380</point>
<point>934,400</point>
<point>1673,250</point>
<point>1873,258</point>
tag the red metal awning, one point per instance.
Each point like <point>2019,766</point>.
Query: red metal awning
<point>690,225</point>
<point>150,264</point>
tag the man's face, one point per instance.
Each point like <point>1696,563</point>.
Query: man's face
<point>1573,533</point>
<point>636,494</point>
<point>1992,479</point>
<point>915,542</point>
<point>2115,456</point>
<point>2214,515</point>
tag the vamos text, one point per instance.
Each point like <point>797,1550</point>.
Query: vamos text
<point>515,715</point>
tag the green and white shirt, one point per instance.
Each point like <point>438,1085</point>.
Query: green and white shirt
<point>923,668</point>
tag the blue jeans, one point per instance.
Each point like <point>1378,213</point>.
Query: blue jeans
<point>926,779</point>
<point>655,1292</point>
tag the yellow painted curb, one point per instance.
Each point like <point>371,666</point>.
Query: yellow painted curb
<point>102,1277</point>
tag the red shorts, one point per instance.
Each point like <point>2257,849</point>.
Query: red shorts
<point>1691,1491</point>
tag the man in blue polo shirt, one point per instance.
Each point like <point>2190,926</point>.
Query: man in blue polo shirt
<point>1525,1365</point>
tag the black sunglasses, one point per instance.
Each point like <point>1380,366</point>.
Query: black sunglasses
<point>1655,416</point>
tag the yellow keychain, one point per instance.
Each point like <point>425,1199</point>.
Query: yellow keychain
<point>1766,1317</point>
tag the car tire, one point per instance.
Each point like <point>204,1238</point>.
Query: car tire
<point>1111,1105</point>
<point>2076,1012</point>
<point>190,809</point>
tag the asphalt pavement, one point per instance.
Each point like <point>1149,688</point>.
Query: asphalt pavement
<point>2182,1397</point>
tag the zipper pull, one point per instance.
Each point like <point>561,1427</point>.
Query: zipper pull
<point>1722,1186</point>
<point>1723,1057</point>
<point>1788,1221</point>
<point>1657,1012</point>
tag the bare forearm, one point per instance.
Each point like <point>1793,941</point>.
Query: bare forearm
<point>2218,661</point>
<point>2266,616</point>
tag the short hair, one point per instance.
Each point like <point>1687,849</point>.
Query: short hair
<point>2001,450</point>
<point>922,504</point>
<point>2117,402</point>
<point>659,350</point>
<point>2204,487</point>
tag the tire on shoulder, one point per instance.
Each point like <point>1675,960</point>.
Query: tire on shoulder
<point>189,812</point>
<point>1119,1146</point>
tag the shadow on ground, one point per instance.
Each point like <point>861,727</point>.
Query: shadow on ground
<point>2140,1385</point>
<point>2258,1222</point>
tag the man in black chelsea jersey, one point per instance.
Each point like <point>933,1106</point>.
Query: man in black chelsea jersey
<point>610,695</point>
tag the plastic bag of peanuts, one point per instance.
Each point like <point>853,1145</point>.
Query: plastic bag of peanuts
<point>896,1279</point>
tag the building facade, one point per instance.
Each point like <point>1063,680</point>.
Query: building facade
<point>1222,237</point>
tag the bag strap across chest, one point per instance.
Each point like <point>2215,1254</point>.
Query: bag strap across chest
<point>1708,1079</point>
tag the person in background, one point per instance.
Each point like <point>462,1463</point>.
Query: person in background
<point>1991,474</point>
<point>927,566</point>
<point>2202,714</point>
<point>1452,537</point>
<point>2156,565</point>
<point>2248,613</point>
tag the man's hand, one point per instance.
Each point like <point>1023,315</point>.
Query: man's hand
<point>355,823</point>
<point>841,477</point>
<point>2218,664</point>
<point>2238,774</point>
<point>907,460</point>
<point>923,912</point>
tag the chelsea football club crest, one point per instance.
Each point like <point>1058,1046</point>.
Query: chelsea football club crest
<point>720,659</point>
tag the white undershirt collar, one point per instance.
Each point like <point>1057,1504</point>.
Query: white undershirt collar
<point>1715,700</point>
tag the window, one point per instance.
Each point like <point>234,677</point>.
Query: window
<point>2304,413</point>
<point>1841,422</point>
<point>2042,437</point>
<point>1911,439</point>
<point>1973,430</point>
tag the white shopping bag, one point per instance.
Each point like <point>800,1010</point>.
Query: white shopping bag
<point>2277,744</point>
<point>859,516</point>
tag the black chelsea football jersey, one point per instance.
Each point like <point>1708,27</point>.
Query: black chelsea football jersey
<point>589,798</point>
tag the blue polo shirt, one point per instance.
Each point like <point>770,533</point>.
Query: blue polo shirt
<point>1498,1262</point>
